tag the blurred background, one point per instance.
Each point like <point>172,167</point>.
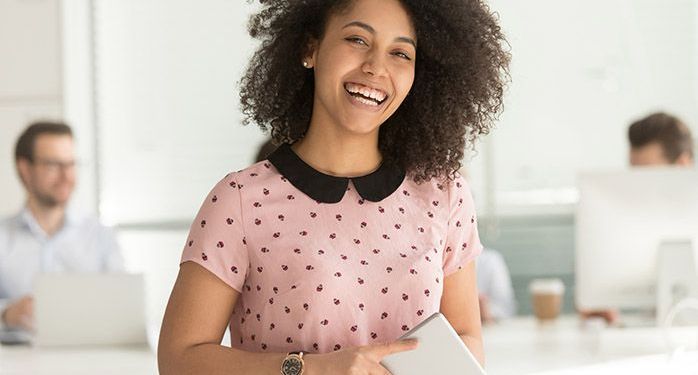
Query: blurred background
<point>150,88</point>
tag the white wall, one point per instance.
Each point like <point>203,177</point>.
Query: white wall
<point>583,70</point>
<point>30,81</point>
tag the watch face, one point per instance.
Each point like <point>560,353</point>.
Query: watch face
<point>291,366</point>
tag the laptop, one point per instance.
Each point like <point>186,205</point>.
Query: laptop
<point>440,351</point>
<point>89,310</point>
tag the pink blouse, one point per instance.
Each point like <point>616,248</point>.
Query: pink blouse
<point>318,277</point>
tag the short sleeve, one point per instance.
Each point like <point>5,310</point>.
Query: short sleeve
<point>462,240</point>
<point>216,238</point>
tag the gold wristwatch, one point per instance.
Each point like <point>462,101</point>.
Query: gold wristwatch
<point>293,364</point>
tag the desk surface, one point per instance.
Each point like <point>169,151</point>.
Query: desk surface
<point>518,346</point>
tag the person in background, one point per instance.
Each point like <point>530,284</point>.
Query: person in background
<point>660,139</point>
<point>657,140</point>
<point>44,237</point>
<point>495,292</point>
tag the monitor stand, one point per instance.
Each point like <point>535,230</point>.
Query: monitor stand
<point>677,279</point>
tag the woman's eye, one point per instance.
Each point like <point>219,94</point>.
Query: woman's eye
<point>357,40</point>
<point>402,55</point>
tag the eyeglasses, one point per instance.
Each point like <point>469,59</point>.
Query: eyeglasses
<point>54,166</point>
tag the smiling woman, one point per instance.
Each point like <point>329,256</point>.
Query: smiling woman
<point>358,227</point>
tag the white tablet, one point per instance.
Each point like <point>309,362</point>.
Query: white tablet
<point>440,351</point>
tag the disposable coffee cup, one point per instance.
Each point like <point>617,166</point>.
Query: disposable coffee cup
<point>546,295</point>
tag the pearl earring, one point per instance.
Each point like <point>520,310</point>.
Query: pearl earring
<point>305,64</point>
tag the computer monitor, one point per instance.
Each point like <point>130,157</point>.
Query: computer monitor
<point>622,218</point>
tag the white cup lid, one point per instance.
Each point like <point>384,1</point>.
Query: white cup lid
<point>546,286</point>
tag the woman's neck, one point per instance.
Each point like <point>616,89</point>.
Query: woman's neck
<point>339,154</point>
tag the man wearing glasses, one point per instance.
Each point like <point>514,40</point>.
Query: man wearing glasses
<point>44,237</point>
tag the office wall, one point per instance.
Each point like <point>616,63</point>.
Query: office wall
<point>30,81</point>
<point>40,78</point>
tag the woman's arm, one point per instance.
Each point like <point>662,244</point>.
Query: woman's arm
<point>460,306</point>
<point>196,318</point>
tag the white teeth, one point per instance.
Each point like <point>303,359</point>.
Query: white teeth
<point>368,92</point>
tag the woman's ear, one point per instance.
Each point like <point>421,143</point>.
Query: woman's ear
<point>310,53</point>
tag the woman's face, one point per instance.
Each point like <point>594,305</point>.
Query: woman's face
<point>364,65</point>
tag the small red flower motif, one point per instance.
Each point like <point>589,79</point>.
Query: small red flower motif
<point>234,269</point>
<point>320,252</point>
<point>313,215</point>
<point>338,274</point>
<point>214,199</point>
<point>265,191</point>
<point>289,340</point>
<point>303,233</point>
<point>284,267</point>
<point>381,209</point>
<point>257,204</point>
<point>333,236</point>
<point>389,269</point>
<point>309,267</point>
<point>405,297</point>
<point>257,221</point>
<point>357,241</point>
<point>325,322</point>
<point>305,306</point>
<point>203,223</point>
<point>384,315</point>
<point>190,243</point>
<point>275,290</point>
<point>426,292</point>
<point>363,224</point>
<point>229,221</point>
<point>290,197</point>
<point>300,325</point>
<point>384,290</point>
<point>338,217</point>
<point>364,263</point>
<point>281,217</point>
<point>276,235</point>
<point>260,269</point>
<point>297,251</point>
<point>405,328</point>
<point>374,335</point>
<point>287,309</point>
<point>272,326</point>
<point>353,328</point>
<point>264,250</point>
<point>360,281</point>
<point>204,256</point>
<point>319,288</point>
<point>336,301</point>
<point>420,312</point>
<point>337,347</point>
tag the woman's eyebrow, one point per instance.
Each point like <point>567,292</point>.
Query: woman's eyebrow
<point>370,29</point>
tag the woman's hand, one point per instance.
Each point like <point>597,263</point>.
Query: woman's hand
<point>361,360</point>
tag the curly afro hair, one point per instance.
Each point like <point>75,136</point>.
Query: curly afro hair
<point>461,71</point>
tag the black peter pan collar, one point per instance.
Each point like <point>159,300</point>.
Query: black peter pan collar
<point>324,188</point>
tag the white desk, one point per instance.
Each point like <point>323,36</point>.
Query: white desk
<point>523,346</point>
<point>106,361</point>
<point>519,346</point>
